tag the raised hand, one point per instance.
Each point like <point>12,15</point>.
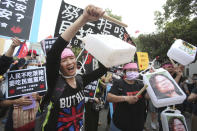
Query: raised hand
<point>92,13</point>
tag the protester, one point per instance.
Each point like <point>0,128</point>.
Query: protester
<point>67,112</point>
<point>6,59</point>
<point>193,98</point>
<point>129,114</point>
<point>19,119</point>
<point>163,86</point>
<point>32,54</point>
<point>175,72</point>
<point>93,108</point>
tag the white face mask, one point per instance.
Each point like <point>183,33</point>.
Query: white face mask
<point>31,67</point>
<point>132,75</point>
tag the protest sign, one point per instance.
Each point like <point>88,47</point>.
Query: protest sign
<point>16,18</point>
<point>143,60</point>
<point>69,13</point>
<point>90,90</point>
<point>46,44</point>
<point>26,81</point>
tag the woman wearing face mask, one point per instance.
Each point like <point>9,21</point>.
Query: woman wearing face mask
<point>129,110</point>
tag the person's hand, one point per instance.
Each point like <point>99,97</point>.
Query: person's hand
<point>178,71</point>
<point>92,13</point>
<point>23,101</point>
<point>131,99</point>
<point>16,42</point>
<point>35,95</point>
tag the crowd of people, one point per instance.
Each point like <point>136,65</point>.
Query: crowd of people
<point>64,101</point>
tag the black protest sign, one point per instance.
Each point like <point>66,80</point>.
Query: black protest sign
<point>90,90</point>
<point>16,18</point>
<point>26,81</point>
<point>46,44</point>
<point>69,13</point>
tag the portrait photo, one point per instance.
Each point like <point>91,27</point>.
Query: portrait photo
<point>163,85</point>
<point>176,123</point>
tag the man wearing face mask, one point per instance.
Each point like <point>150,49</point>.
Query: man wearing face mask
<point>130,109</point>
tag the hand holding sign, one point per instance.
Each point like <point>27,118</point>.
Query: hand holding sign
<point>141,91</point>
<point>24,100</point>
<point>16,42</point>
<point>131,99</point>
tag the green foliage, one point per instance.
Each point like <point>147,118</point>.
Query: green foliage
<point>179,20</point>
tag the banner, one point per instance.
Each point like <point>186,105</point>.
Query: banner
<point>90,90</point>
<point>143,60</point>
<point>26,81</point>
<point>16,18</point>
<point>69,13</point>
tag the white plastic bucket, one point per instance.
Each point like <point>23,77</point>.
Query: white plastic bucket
<point>163,89</point>
<point>108,49</point>
<point>182,52</point>
<point>173,119</point>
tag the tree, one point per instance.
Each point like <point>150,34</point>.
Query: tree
<point>179,20</point>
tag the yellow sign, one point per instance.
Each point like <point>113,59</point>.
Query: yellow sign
<point>143,60</point>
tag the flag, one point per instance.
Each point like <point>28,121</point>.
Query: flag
<point>22,51</point>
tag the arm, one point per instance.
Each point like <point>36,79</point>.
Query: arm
<point>20,101</point>
<point>15,42</point>
<point>192,97</point>
<point>179,75</point>
<point>6,60</point>
<point>114,98</point>
<point>91,13</point>
<point>147,96</point>
<point>87,78</point>
<point>115,95</point>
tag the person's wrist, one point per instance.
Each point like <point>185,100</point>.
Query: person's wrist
<point>124,98</point>
<point>83,19</point>
<point>15,102</point>
<point>13,46</point>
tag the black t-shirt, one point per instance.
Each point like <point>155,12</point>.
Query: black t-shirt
<point>195,104</point>
<point>128,117</point>
<point>67,114</point>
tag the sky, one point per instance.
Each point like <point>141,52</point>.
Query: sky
<point>137,14</point>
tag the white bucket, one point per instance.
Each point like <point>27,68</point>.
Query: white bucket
<point>173,119</point>
<point>163,89</point>
<point>182,52</point>
<point>108,49</point>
